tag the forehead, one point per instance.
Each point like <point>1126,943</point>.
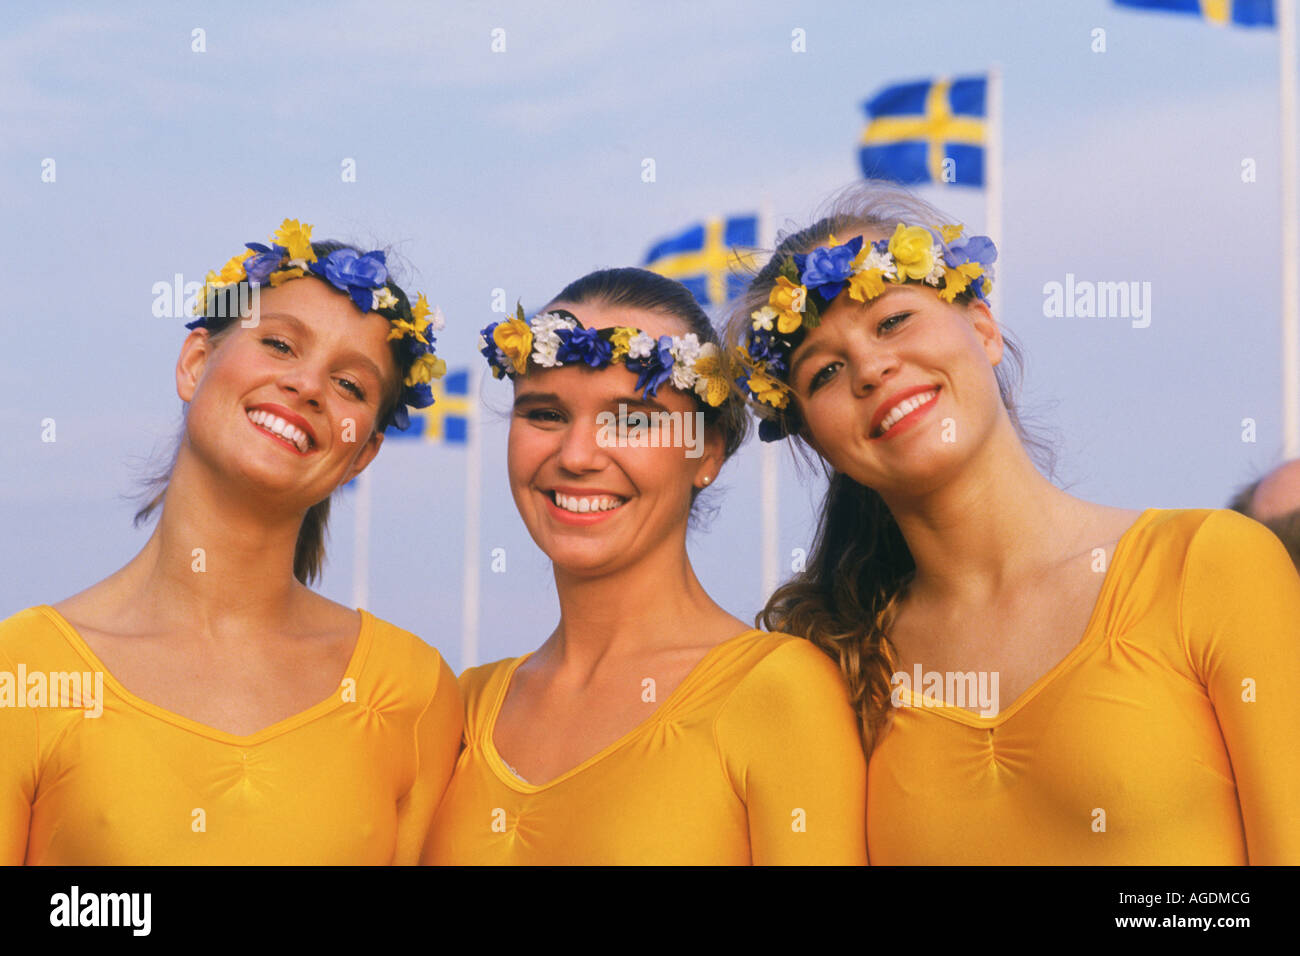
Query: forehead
<point>602,315</point>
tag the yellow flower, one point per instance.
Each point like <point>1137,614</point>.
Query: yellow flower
<point>950,233</point>
<point>957,278</point>
<point>426,368</point>
<point>788,299</point>
<point>420,311</point>
<point>767,389</point>
<point>296,237</point>
<point>284,275</point>
<point>713,384</point>
<point>384,298</point>
<point>913,250</point>
<point>866,284</point>
<point>621,339</point>
<point>232,271</point>
<point>515,338</point>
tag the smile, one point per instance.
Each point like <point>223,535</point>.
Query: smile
<point>905,410</point>
<point>582,506</point>
<point>279,428</point>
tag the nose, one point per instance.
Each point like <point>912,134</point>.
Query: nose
<point>580,449</point>
<point>872,367</point>
<point>304,382</point>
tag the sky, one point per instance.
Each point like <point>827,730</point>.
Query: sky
<point>520,169</point>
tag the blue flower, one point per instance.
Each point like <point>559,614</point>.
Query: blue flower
<point>267,260</point>
<point>765,349</point>
<point>827,268</point>
<point>353,273</point>
<point>971,249</point>
<point>654,369</point>
<point>583,345</point>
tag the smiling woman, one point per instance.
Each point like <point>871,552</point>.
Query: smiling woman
<point>1120,655</point>
<point>651,727</point>
<point>240,717</point>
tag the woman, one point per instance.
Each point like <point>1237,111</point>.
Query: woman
<point>211,708</point>
<point>1040,679</point>
<point>652,726</point>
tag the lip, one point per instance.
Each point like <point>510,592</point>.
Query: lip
<point>296,420</point>
<point>580,520</point>
<point>892,401</point>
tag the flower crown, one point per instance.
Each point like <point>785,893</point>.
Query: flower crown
<point>557,338</point>
<point>365,279</point>
<point>807,283</point>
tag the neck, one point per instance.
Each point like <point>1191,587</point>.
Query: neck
<point>654,603</point>
<point>220,556</point>
<point>993,526</point>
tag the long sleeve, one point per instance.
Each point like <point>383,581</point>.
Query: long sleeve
<point>1240,622</point>
<point>437,744</point>
<point>789,743</point>
<point>19,745</point>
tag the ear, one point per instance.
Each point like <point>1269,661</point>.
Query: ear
<point>986,327</point>
<point>195,351</point>
<point>711,460</point>
<point>365,456</point>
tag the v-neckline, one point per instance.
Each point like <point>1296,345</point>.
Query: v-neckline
<point>1092,633</point>
<point>359,653</point>
<point>501,768</point>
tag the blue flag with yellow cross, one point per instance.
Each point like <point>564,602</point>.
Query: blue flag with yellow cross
<point>928,131</point>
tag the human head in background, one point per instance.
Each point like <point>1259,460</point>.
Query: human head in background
<point>611,347</point>
<point>315,347</point>
<point>1274,501</point>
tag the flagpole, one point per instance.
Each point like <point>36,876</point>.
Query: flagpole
<point>767,450</point>
<point>361,541</point>
<point>993,177</point>
<point>1286,24</point>
<point>473,501</point>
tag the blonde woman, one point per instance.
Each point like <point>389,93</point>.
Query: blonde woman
<point>224,713</point>
<point>1041,679</point>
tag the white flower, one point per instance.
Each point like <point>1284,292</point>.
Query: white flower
<point>545,347</point>
<point>763,318</point>
<point>936,273</point>
<point>640,346</point>
<point>437,321</point>
<point>383,299</point>
<point>883,261</point>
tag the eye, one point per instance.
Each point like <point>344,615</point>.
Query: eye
<point>893,322</point>
<point>822,377</point>
<point>353,387</point>
<point>280,345</point>
<point>547,416</point>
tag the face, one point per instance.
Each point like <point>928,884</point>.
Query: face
<point>313,362</point>
<point>897,391</point>
<point>561,461</point>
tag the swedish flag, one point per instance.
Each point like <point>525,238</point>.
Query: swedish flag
<point>1243,13</point>
<point>913,128</point>
<point>447,419</point>
<point>709,258</point>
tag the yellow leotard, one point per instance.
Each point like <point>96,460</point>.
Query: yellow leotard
<point>754,758</point>
<point>353,780</point>
<point>1169,735</point>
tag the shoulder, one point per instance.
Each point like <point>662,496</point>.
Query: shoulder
<point>478,683</point>
<point>784,666</point>
<point>33,633</point>
<point>1194,538</point>
<point>402,652</point>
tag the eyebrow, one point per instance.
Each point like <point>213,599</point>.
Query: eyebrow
<point>889,290</point>
<point>541,398</point>
<point>305,330</point>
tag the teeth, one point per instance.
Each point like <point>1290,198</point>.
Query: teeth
<point>278,426</point>
<point>587,505</point>
<point>905,408</point>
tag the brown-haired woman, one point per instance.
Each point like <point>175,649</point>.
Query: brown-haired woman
<point>212,708</point>
<point>652,726</point>
<point>1040,679</point>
